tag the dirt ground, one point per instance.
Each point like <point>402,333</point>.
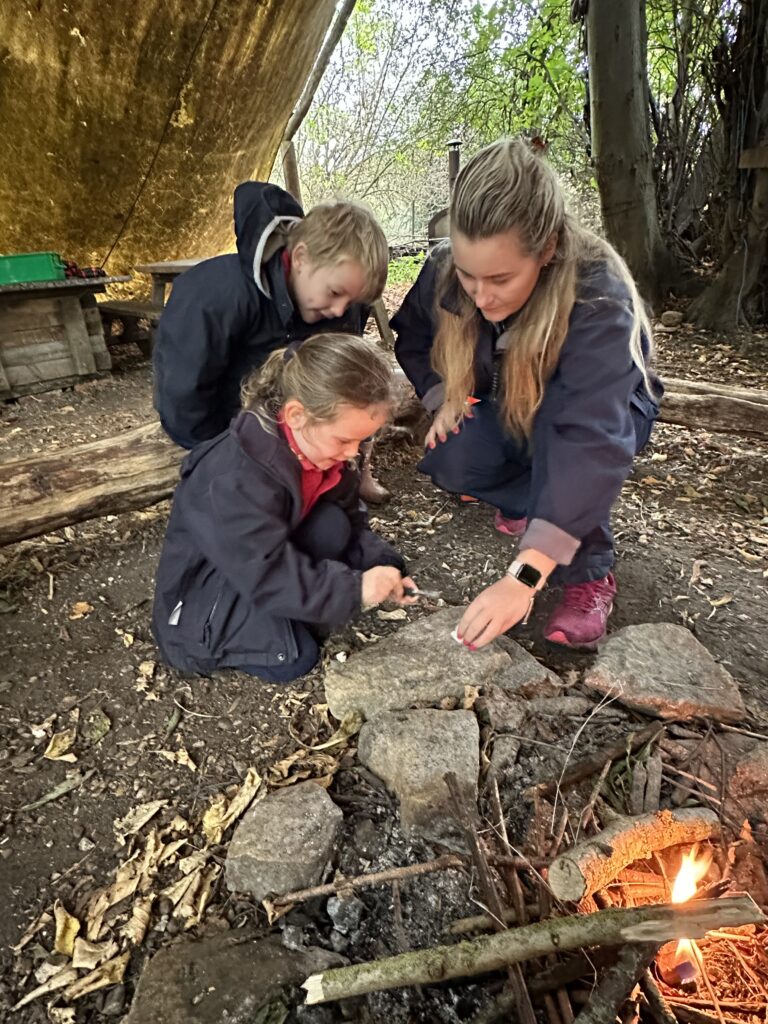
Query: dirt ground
<point>692,532</point>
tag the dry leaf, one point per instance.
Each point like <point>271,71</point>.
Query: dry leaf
<point>67,927</point>
<point>471,693</point>
<point>41,922</point>
<point>652,481</point>
<point>47,970</point>
<point>96,726</point>
<point>350,726</point>
<point>147,669</point>
<point>193,862</point>
<point>39,731</point>
<point>62,1015</point>
<point>89,955</point>
<point>220,816</point>
<point>136,928</point>
<point>696,572</point>
<point>65,977</point>
<point>80,609</point>
<point>110,973</point>
<point>192,906</point>
<point>127,639</point>
<point>125,883</point>
<point>720,601</point>
<point>179,756</point>
<point>395,615</point>
<point>178,889</point>
<point>136,819</point>
<point>60,745</point>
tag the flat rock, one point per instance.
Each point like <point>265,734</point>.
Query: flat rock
<point>502,711</point>
<point>411,751</point>
<point>671,318</point>
<point>283,842</point>
<point>663,670</point>
<point>748,784</point>
<point>228,977</point>
<point>421,665</point>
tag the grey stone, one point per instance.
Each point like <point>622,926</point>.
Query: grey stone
<point>526,676</point>
<point>502,711</point>
<point>369,839</point>
<point>283,842</point>
<point>411,751</point>
<point>228,977</point>
<point>748,784</point>
<point>663,670</point>
<point>503,757</point>
<point>671,318</point>
<point>345,913</point>
<point>421,665</point>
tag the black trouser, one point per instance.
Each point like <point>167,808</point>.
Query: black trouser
<point>325,533</point>
<point>486,461</point>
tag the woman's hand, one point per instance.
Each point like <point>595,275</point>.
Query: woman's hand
<point>447,421</point>
<point>384,583</point>
<point>495,610</point>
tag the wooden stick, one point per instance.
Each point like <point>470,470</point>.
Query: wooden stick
<point>615,927</point>
<point>484,923</point>
<point>617,983</point>
<point>447,861</point>
<point>657,1004</point>
<point>583,769</point>
<point>595,863</point>
<point>490,894</point>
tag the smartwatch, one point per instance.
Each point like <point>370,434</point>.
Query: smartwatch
<point>525,573</point>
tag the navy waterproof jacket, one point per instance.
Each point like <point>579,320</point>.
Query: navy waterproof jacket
<point>230,582</point>
<point>584,438</point>
<point>226,315</point>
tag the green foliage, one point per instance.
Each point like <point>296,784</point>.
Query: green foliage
<point>405,269</point>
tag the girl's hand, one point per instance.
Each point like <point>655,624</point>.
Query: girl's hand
<point>447,421</point>
<point>384,583</point>
<point>495,610</point>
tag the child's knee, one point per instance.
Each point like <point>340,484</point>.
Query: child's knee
<point>325,533</point>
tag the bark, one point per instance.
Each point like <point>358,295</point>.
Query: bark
<point>621,143</point>
<point>591,865</point>
<point>613,927</point>
<point>722,414</point>
<point>617,983</point>
<point>192,95</point>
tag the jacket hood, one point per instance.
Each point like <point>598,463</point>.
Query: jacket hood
<point>263,213</point>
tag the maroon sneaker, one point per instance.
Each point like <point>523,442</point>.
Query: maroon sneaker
<point>510,527</point>
<point>581,618</point>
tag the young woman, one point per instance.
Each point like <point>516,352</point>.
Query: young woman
<point>528,341</point>
<point>268,546</point>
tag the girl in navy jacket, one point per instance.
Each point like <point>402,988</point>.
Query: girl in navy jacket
<point>528,341</point>
<point>268,545</point>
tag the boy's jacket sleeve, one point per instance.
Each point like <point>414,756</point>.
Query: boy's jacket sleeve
<point>414,324</point>
<point>193,355</point>
<point>241,526</point>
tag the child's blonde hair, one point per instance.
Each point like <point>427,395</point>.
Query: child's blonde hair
<point>508,186</point>
<point>343,230</point>
<point>324,372</point>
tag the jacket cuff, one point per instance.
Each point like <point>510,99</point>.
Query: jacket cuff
<point>550,540</point>
<point>434,398</point>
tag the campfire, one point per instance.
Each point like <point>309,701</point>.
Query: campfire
<point>678,964</point>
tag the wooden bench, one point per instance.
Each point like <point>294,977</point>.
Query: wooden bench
<point>137,320</point>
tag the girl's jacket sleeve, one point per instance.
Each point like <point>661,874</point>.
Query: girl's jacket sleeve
<point>415,325</point>
<point>584,438</point>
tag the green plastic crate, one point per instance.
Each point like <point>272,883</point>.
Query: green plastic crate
<point>22,267</point>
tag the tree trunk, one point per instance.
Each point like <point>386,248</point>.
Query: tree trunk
<point>621,143</point>
<point>744,251</point>
<point>139,119</point>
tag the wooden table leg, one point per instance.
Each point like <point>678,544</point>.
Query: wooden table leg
<point>76,331</point>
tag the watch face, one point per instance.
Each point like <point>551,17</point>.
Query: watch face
<point>528,575</point>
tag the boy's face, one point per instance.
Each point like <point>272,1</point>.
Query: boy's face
<point>325,442</point>
<point>323,292</point>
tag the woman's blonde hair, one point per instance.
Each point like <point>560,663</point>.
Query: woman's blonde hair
<point>324,372</point>
<point>343,230</point>
<point>508,186</point>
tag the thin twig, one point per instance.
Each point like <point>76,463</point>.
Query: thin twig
<point>657,1004</point>
<point>195,714</point>
<point>705,975</point>
<point>589,810</point>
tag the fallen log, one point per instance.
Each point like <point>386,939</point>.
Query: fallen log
<point>593,864</point>
<point>613,927</point>
<point>140,467</point>
<point>115,474</point>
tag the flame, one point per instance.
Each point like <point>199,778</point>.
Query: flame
<point>692,869</point>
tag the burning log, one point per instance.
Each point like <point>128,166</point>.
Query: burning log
<point>614,927</point>
<point>595,863</point>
